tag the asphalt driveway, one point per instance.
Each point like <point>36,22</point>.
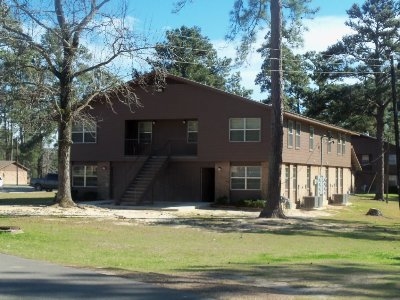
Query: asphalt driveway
<point>16,189</point>
<point>28,279</point>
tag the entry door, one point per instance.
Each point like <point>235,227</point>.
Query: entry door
<point>208,184</point>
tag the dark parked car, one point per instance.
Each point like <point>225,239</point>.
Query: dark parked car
<point>48,183</point>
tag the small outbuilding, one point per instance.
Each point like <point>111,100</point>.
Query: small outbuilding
<point>13,173</point>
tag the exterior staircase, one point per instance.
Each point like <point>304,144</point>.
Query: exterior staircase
<point>144,179</point>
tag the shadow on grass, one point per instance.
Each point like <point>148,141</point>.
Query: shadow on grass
<point>28,201</point>
<point>290,227</point>
<point>390,198</point>
<point>306,280</point>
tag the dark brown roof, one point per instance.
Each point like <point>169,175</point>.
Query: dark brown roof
<point>320,123</point>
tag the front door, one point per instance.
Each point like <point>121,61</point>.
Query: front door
<point>208,184</point>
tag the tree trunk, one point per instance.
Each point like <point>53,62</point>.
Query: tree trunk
<point>380,166</point>
<point>272,207</point>
<point>64,198</point>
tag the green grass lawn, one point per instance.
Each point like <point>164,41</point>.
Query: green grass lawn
<point>359,255</point>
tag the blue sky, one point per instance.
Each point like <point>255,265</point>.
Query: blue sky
<point>212,16</point>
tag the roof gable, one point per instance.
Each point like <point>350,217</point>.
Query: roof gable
<point>6,163</point>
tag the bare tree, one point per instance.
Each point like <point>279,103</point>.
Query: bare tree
<point>83,47</point>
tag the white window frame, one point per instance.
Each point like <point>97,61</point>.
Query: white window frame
<point>392,160</point>
<point>297,141</point>
<point>246,177</point>
<point>365,159</point>
<point>339,144</point>
<point>329,145</point>
<point>82,131</point>
<point>343,144</point>
<point>192,130</point>
<point>290,132</point>
<point>245,130</point>
<point>392,180</point>
<point>287,181</point>
<point>145,132</point>
<point>85,175</point>
<point>311,140</point>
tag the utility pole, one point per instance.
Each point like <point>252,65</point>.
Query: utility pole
<point>396,123</point>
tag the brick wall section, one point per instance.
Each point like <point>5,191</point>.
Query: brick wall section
<point>222,179</point>
<point>103,180</point>
<point>297,194</point>
<point>264,179</point>
<point>9,175</point>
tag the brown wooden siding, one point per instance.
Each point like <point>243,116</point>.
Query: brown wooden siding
<point>169,111</point>
<point>177,103</point>
<point>304,155</point>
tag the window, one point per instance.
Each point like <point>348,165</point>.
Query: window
<point>337,180</point>
<point>365,159</point>
<point>343,144</point>
<point>329,148</point>
<point>339,144</point>
<point>84,176</point>
<point>145,132</point>
<point>244,129</point>
<point>245,178</point>
<point>192,130</point>
<point>392,180</point>
<point>83,133</point>
<point>298,133</point>
<point>392,159</point>
<point>341,180</point>
<point>309,180</point>
<point>294,181</point>
<point>290,134</point>
<point>287,181</point>
<point>311,140</point>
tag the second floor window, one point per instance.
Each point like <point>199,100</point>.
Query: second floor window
<point>339,144</point>
<point>244,129</point>
<point>343,144</point>
<point>311,141</point>
<point>192,131</point>
<point>83,133</point>
<point>145,132</point>
<point>298,134</point>
<point>329,145</point>
<point>290,134</point>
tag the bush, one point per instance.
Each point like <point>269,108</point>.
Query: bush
<point>89,196</point>
<point>251,203</point>
<point>222,200</point>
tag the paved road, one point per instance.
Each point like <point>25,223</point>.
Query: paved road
<point>16,189</point>
<point>28,279</point>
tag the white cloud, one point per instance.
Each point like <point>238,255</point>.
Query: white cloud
<point>323,32</point>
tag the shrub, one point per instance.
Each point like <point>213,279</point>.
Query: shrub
<point>222,200</point>
<point>251,203</point>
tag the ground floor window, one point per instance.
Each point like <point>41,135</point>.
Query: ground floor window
<point>287,181</point>
<point>84,176</point>
<point>392,180</point>
<point>245,177</point>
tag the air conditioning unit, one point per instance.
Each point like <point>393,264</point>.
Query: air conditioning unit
<point>340,199</point>
<point>312,202</point>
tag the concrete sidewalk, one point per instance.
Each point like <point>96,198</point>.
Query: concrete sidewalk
<point>28,279</point>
